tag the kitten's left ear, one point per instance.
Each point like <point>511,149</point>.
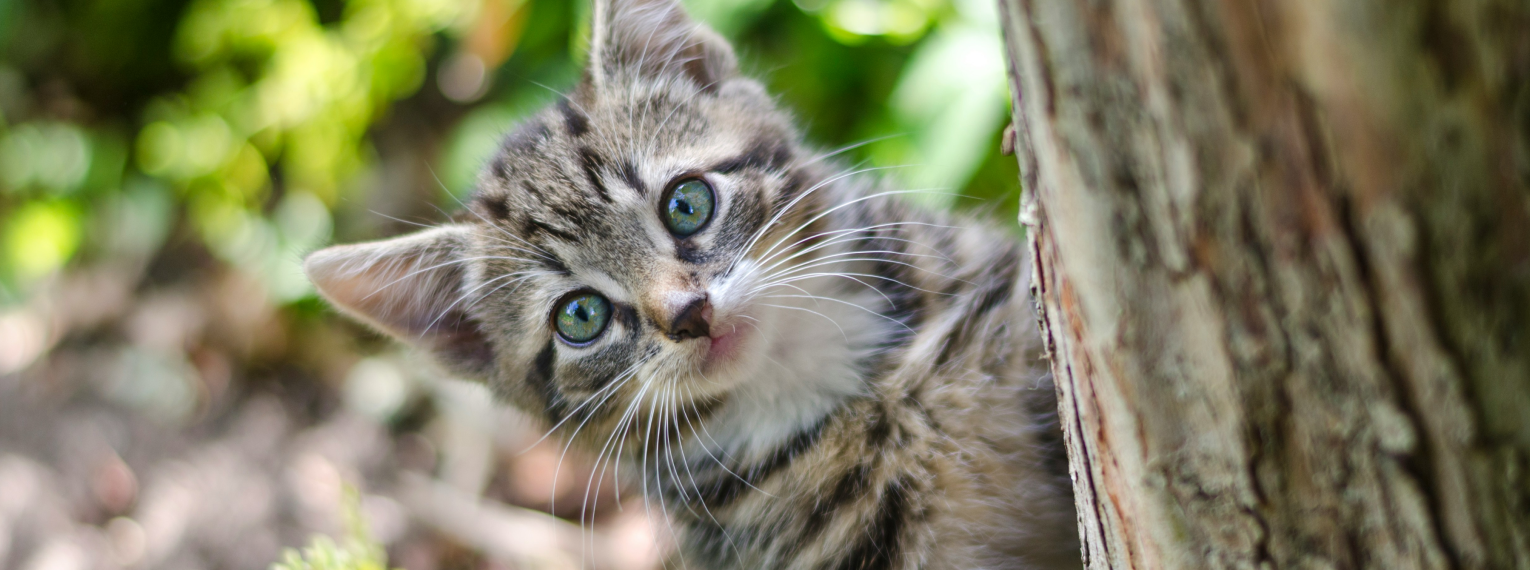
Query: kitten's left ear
<point>411,288</point>
<point>656,38</point>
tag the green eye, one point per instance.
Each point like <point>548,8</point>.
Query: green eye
<point>581,317</point>
<point>688,207</point>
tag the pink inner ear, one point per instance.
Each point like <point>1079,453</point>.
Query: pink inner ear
<point>408,287</point>
<point>403,286</point>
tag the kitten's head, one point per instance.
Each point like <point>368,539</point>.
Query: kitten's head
<point>619,234</point>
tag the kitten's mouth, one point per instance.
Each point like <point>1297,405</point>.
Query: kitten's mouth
<point>725,348</point>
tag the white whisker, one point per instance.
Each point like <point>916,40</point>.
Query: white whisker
<point>847,148</point>
<point>834,209</point>
<point>434,267</point>
<point>789,205</point>
<point>571,438</point>
<point>848,235</point>
<point>834,322</point>
<point>844,302</point>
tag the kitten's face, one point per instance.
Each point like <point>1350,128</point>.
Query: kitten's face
<point>632,206</point>
<point>625,233</point>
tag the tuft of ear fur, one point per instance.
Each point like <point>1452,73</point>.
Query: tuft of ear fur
<point>410,287</point>
<point>656,39</point>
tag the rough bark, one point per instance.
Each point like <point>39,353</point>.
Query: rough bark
<point>1283,253</point>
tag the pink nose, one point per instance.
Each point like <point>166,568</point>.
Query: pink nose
<point>692,318</point>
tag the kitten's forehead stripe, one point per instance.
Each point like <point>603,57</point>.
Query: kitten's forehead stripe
<point>539,226</point>
<point>593,164</point>
<point>629,175</point>
<point>574,121</point>
<point>764,153</point>
<point>497,207</point>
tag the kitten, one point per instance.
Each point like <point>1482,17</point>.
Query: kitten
<point>803,371</point>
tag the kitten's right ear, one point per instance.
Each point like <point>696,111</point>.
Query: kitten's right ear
<point>656,38</point>
<point>410,287</point>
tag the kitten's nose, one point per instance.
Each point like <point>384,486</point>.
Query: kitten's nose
<point>694,320</point>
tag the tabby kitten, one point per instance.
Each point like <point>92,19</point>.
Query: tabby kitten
<point>803,371</point>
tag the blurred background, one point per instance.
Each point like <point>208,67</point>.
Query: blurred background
<point>172,393</point>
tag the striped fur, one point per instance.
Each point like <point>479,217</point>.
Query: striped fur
<point>884,407</point>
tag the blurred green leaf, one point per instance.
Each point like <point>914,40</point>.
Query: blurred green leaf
<point>40,237</point>
<point>253,124</point>
<point>51,156</point>
<point>952,96</point>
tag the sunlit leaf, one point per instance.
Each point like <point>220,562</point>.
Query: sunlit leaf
<point>40,237</point>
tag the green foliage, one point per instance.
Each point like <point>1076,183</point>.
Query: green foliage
<point>358,551</point>
<point>250,126</point>
<point>324,554</point>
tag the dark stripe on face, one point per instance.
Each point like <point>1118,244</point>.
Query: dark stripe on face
<point>604,371</point>
<point>501,167</point>
<point>525,140</point>
<point>630,176</point>
<point>530,228</point>
<point>628,317</point>
<point>880,544</point>
<point>578,215</point>
<point>795,211</point>
<point>497,207</point>
<point>687,251</point>
<point>763,154</point>
<point>540,378</point>
<point>728,487</point>
<point>593,164</point>
<point>796,184</point>
<point>535,226</point>
<point>746,213</point>
<point>573,120</point>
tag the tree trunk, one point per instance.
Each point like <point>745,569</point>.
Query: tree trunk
<point>1283,262</point>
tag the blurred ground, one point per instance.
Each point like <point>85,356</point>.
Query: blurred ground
<point>162,434</point>
<point>172,394</point>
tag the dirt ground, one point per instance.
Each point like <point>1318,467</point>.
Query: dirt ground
<point>189,425</point>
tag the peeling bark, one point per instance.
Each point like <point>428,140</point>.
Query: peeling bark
<point>1283,266</point>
